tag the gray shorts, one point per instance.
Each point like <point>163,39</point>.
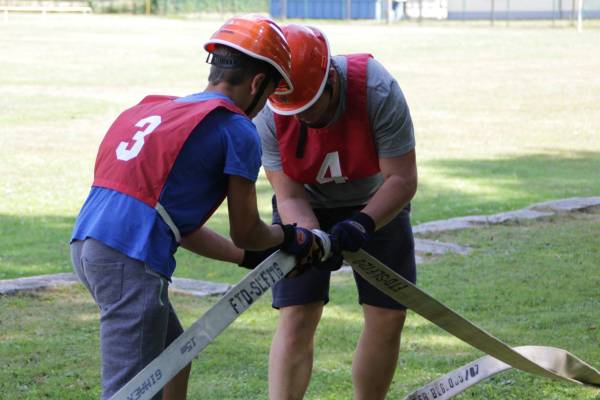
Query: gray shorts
<point>137,320</point>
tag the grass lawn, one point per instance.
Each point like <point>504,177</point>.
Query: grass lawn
<point>526,284</point>
<point>504,117</point>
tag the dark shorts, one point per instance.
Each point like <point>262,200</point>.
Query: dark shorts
<point>393,245</point>
<point>137,320</point>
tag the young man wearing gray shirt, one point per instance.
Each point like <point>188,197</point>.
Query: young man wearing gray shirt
<point>339,154</point>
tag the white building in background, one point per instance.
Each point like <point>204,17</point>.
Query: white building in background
<point>520,9</point>
<point>433,9</point>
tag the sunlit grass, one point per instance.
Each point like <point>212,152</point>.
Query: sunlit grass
<point>504,117</point>
<point>513,285</point>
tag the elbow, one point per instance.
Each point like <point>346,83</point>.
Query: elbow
<point>409,182</point>
<point>405,184</point>
<point>413,185</point>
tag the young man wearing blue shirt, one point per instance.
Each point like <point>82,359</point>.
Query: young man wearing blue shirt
<point>162,169</point>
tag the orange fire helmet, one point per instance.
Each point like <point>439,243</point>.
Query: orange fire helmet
<point>258,37</point>
<point>310,69</point>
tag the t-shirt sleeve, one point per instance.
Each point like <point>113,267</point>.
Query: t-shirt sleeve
<point>388,113</point>
<point>265,124</point>
<point>242,148</point>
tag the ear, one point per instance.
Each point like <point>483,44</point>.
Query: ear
<point>256,82</point>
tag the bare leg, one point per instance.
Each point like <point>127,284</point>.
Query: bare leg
<point>377,352</point>
<point>291,357</point>
<point>176,388</point>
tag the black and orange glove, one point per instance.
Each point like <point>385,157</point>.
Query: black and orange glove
<point>305,245</point>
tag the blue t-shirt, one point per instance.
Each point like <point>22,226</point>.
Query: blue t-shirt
<point>222,144</point>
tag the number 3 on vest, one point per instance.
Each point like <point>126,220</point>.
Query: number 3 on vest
<point>151,123</point>
<point>331,164</point>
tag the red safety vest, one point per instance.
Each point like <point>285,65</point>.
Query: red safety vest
<point>340,152</point>
<point>140,148</point>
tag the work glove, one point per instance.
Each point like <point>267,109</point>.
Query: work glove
<point>352,233</point>
<point>305,245</point>
<point>253,258</point>
<point>333,263</point>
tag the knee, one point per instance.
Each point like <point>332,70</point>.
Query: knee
<point>297,340</point>
<point>386,323</point>
<point>297,325</point>
<point>396,318</point>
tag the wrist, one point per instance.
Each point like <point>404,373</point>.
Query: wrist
<point>366,221</point>
<point>247,259</point>
<point>251,258</point>
<point>238,255</point>
<point>289,233</point>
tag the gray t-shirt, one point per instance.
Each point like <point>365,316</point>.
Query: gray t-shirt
<point>391,125</point>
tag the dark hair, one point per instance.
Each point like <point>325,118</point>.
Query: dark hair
<point>234,67</point>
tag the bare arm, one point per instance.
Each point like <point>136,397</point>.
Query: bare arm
<point>398,188</point>
<point>247,230</point>
<point>209,243</point>
<point>292,201</point>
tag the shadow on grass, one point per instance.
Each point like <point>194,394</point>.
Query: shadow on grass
<point>38,245</point>
<point>34,245</point>
<point>451,188</point>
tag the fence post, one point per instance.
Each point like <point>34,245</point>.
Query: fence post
<point>420,11</point>
<point>560,10</point>
<point>579,15</point>
<point>493,13</point>
<point>283,9</point>
<point>508,11</point>
<point>388,11</point>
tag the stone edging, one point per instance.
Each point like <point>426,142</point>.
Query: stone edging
<point>180,285</point>
<point>423,247</point>
<point>426,247</point>
<point>533,212</point>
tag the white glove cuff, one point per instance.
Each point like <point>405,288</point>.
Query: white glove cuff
<point>325,241</point>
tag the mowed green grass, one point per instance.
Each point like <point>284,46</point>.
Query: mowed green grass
<point>503,116</point>
<point>531,284</point>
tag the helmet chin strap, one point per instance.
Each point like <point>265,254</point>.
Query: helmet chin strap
<point>259,94</point>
